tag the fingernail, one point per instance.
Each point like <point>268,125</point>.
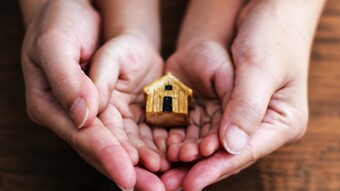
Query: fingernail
<point>235,139</point>
<point>79,112</point>
<point>125,189</point>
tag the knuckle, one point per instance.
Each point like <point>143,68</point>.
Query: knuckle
<point>61,82</point>
<point>254,109</point>
<point>249,57</point>
<point>60,85</point>
<point>254,156</point>
<point>296,125</point>
<point>248,115</point>
<point>302,122</point>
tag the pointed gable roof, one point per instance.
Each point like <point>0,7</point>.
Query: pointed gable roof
<point>165,80</point>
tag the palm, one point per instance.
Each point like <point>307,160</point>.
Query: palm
<point>207,69</point>
<point>123,115</point>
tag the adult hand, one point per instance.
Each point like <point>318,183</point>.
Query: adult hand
<point>59,42</point>
<point>268,104</point>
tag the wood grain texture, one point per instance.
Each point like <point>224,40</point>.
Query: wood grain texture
<point>33,158</point>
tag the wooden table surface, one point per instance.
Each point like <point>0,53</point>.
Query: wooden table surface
<point>33,158</point>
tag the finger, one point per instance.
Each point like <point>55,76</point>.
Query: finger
<point>176,135</point>
<point>147,157</point>
<point>105,148</point>
<point>60,61</point>
<point>197,115</point>
<point>148,181</point>
<point>267,138</point>
<point>174,142</point>
<point>173,178</point>
<point>95,141</point>
<point>190,148</point>
<point>205,129</point>
<point>36,86</point>
<point>112,120</point>
<point>210,143</point>
<point>146,136</point>
<point>104,72</point>
<point>254,86</point>
<point>210,170</point>
<point>92,162</point>
<point>189,151</point>
<point>173,152</point>
<point>224,82</point>
<point>160,136</point>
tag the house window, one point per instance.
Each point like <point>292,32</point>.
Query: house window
<point>167,104</point>
<point>168,87</point>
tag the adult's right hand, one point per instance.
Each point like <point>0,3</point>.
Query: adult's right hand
<point>268,102</point>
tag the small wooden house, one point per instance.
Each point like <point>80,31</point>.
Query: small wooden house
<point>167,102</point>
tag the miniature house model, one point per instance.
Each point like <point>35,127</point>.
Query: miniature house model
<point>167,102</point>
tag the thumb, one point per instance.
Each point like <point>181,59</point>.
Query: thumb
<point>71,87</point>
<point>249,101</point>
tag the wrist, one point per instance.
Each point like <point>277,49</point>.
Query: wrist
<point>137,18</point>
<point>135,33</point>
<point>300,16</point>
<point>202,44</point>
<point>206,21</point>
<point>33,8</point>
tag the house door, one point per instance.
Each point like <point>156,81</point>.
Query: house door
<point>167,104</point>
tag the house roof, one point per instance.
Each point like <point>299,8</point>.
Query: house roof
<point>165,80</point>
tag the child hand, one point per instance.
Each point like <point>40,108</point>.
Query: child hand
<point>207,69</point>
<point>120,69</point>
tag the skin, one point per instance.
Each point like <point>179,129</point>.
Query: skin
<point>61,41</point>
<point>268,101</point>
<point>50,28</point>
<point>258,86</point>
<point>202,52</point>
<point>54,78</point>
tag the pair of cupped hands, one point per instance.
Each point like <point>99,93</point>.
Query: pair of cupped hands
<point>250,97</point>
